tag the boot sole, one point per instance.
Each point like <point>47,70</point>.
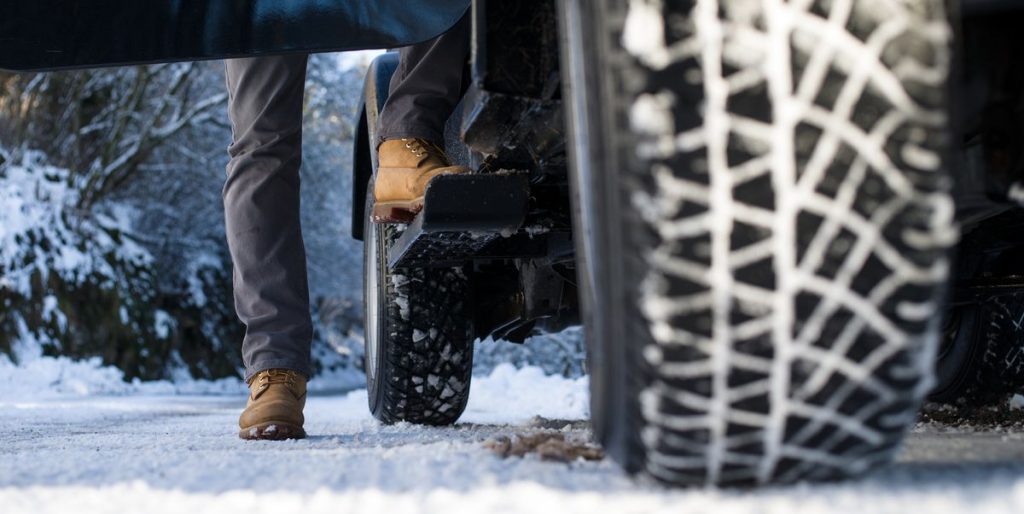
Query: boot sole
<point>272,431</point>
<point>396,212</point>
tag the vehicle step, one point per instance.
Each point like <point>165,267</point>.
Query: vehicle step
<point>463,217</point>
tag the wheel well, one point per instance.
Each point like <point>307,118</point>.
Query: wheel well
<point>375,93</point>
<point>362,170</point>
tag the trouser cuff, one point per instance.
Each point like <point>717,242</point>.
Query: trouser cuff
<point>299,367</point>
<point>411,132</point>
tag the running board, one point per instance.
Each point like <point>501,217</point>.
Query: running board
<point>462,216</point>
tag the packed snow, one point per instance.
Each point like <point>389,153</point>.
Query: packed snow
<point>75,438</point>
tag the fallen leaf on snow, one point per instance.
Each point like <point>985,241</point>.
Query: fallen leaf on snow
<point>549,446</point>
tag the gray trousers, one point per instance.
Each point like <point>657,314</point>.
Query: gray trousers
<point>261,194</point>
<point>426,86</point>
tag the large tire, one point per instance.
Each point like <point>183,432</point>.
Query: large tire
<point>1001,370</point>
<point>762,265</point>
<point>419,342</point>
<point>982,359</point>
<point>956,365</point>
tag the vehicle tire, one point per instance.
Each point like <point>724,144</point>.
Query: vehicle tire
<point>957,363</point>
<point>982,362</point>
<point>762,265</point>
<point>419,342</point>
<point>1001,370</point>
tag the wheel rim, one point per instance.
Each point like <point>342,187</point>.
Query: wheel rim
<point>372,307</point>
<point>374,272</point>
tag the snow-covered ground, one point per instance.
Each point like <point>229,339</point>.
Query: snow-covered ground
<point>137,451</point>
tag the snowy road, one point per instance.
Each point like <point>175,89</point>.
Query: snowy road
<point>158,454</point>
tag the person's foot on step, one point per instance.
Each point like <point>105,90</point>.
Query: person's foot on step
<point>406,167</point>
<point>274,409</point>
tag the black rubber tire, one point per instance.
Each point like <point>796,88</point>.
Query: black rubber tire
<point>956,366</point>
<point>419,356</point>
<point>1001,370</point>
<point>983,364</point>
<point>715,358</point>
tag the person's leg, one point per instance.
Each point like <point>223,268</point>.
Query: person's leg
<point>426,87</point>
<point>410,135</point>
<point>261,203</point>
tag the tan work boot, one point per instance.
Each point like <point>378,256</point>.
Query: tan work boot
<point>406,166</point>
<point>274,410</point>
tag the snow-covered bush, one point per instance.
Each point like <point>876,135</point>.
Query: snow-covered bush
<point>558,353</point>
<point>82,272</point>
<point>69,284</point>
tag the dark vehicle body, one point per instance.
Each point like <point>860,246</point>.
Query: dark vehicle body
<point>60,34</point>
<point>971,7</point>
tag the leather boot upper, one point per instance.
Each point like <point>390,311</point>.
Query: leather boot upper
<point>406,167</point>
<point>275,396</point>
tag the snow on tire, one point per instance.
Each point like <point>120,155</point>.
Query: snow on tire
<point>778,223</point>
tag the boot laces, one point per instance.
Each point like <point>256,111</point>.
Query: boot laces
<point>277,377</point>
<point>422,148</point>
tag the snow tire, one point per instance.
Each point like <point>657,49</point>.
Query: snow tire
<point>764,223</point>
<point>957,363</point>
<point>991,336</point>
<point>419,342</point>
<point>1001,371</point>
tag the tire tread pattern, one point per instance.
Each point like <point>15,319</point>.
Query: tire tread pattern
<point>428,354</point>
<point>790,229</point>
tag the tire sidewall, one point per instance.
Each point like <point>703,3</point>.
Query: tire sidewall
<point>957,364</point>
<point>597,221</point>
